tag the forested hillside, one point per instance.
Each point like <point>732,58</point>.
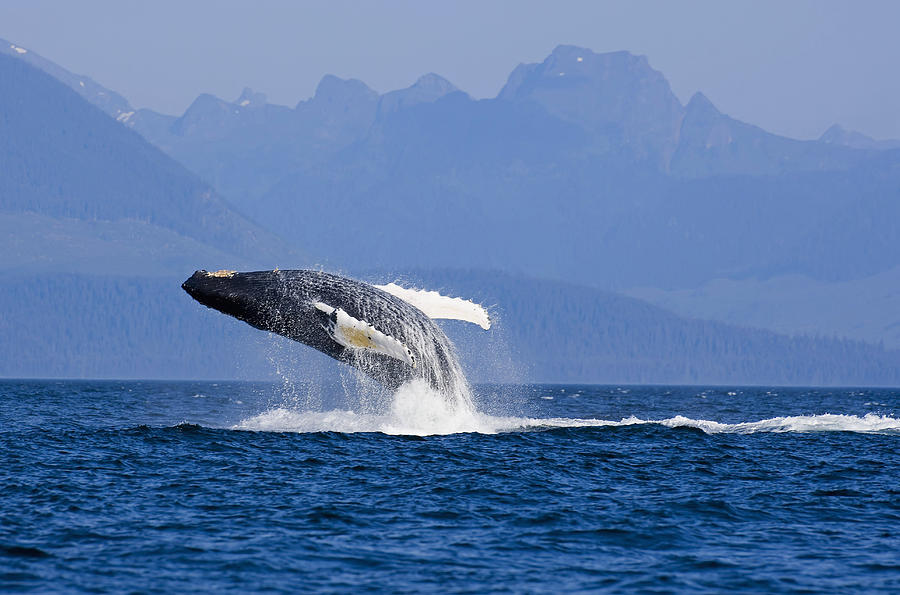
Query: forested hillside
<point>85,326</point>
<point>553,331</point>
<point>133,327</point>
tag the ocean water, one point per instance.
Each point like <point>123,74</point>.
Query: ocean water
<point>163,486</point>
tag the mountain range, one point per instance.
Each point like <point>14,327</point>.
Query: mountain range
<point>584,175</point>
<point>585,168</point>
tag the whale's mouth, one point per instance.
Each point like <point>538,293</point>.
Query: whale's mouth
<point>208,289</point>
<point>194,285</point>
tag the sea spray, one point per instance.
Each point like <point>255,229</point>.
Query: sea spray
<point>302,374</point>
<point>309,384</point>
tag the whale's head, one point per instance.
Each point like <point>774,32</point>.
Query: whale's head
<point>246,296</point>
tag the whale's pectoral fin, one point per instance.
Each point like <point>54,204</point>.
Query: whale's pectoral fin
<point>359,334</point>
<point>435,305</point>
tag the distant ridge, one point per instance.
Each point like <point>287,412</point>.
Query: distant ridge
<point>427,89</point>
<point>838,135</point>
<point>627,108</point>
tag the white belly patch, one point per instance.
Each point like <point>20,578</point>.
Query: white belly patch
<point>359,334</point>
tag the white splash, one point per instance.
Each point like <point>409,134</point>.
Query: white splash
<point>418,410</point>
<point>124,116</point>
<point>17,49</point>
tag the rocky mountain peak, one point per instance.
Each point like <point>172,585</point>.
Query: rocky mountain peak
<point>618,95</point>
<point>700,104</point>
<point>434,84</point>
<point>250,98</point>
<point>427,89</point>
<point>338,91</point>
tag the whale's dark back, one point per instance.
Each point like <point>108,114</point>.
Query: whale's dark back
<point>282,302</point>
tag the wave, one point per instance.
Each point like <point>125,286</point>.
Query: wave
<point>345,421</point>
<point>418,410</point>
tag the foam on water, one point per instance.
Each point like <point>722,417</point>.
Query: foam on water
<point>418,410</point>
<point>415,409</point>
<point>870,422</point>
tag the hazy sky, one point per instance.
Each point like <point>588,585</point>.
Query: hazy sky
<point>793,67</point>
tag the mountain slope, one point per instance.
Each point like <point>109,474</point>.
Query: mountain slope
<point>107,100</point>
<point>64,159</point>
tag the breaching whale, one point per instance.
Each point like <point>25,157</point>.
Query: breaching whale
<point>386,331</point>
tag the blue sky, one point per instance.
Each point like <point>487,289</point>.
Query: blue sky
<point>793,67</point>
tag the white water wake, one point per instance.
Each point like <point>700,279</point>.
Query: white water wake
<point>418,410</point>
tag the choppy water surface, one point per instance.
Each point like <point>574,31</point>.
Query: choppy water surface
<point>155,487</point>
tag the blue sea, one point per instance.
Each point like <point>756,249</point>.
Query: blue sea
<point>154,487</point>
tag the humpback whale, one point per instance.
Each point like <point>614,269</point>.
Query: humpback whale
<point>385,331</point>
